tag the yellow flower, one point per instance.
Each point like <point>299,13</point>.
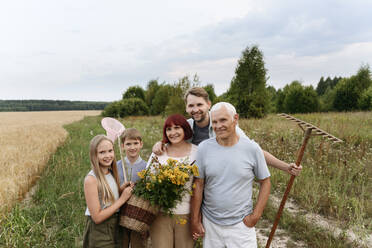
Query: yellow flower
<point>161,177</point>
<point>141,174</point>
<point>182,221</point>
<point>172,175</point>
<point>171,162</point>
<point>195,170</point>
<point>148,186</point>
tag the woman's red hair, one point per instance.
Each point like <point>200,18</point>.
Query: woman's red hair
<point>179,120</point>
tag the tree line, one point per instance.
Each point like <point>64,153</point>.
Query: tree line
<point>338,94</point>
<point>49,105</point>
<point>250,94</point>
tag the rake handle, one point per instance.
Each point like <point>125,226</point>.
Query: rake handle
<point>289,186</point>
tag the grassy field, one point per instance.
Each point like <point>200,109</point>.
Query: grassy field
<point>336,179</point>
<point>335,182</point>
<point>27,141</point>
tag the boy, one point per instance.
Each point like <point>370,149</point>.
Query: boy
<point>131,143</point>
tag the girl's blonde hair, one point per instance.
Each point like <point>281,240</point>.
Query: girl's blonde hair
<point>104,191</point>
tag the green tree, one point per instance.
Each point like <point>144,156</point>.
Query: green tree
<point>212,95</point>
<point>112,110</point>
<point>151,90</point>
<point>132,107</point>
<point>176,103</point>
<point>326,100</point>
<point>271,91</point>
<point>161,99</point>
<point>363,78</point>
<point>299,99</point>
<point>321,87</point>
<point>222,98</point>
<point>365,101</point>
<point>134,92</point>
<point>247,90</point>
<point>335,81</point>
<point>349,90</point>
<point>329,83</point>
<point>279,102</point>
<point>346,96</point>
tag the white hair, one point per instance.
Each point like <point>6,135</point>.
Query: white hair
<point>229,107</point>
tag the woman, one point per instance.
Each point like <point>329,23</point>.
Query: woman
<point>166,231</point>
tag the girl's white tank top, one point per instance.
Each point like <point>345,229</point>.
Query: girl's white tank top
<point>114,188</point>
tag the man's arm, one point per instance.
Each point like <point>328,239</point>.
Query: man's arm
<point>292,168</point>
<point>263,196</point>
<point>196,226</point>
<point>159,148</point>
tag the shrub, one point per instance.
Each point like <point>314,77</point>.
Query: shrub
<point>365,101</point>
<point>132,106</point>
<point>134,92</point>
<point>112,110</point>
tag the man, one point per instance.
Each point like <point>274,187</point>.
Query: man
<point>228,165</point>
<point>197,106</point>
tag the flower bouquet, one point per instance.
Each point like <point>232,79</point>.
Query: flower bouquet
<point>161,187</point>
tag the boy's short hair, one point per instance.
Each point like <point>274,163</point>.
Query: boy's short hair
<point>197,91</point>
<point>131,133</point>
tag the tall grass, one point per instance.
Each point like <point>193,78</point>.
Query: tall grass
<point>27,139</point>
<point>336,178</point>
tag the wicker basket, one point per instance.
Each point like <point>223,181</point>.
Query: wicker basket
<point>137,214</point>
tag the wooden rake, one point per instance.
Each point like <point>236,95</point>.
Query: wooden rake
<point>308,129</point>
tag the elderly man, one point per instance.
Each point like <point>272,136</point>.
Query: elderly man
<point>228,165</point>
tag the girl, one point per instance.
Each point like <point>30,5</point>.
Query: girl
<point>101,189</point>
<point>165,231</point>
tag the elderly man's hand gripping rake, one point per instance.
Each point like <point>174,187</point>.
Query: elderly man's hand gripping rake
<point>293,169</point>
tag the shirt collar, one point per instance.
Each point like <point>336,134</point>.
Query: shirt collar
<point>139,159</point>
<point>210,120</point>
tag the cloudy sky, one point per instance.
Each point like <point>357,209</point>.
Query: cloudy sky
<point>94,50</point>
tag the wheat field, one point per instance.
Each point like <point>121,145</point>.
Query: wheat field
<point>27,139</point>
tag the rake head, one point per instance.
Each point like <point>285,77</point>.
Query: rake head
<point>317,131</point>
<point>308,129</point>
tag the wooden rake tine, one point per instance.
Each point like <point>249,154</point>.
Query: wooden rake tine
<point>307,128</point>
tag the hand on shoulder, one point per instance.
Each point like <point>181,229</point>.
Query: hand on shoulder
<point>159,148</point>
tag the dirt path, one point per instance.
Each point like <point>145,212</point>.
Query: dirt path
<point>281,237</point>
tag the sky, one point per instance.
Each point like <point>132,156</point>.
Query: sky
<point>94,50</point>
